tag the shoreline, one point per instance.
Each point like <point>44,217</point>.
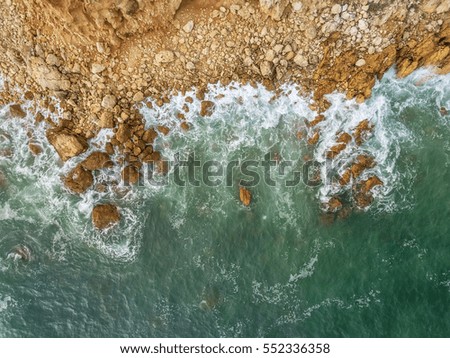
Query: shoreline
<point>97,62</point>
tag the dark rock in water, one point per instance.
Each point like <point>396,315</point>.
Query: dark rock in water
<point>97,160</point>
<point>333,205</point>
<point>105,216</point>
<point>362,131</point>
<point>443,111</point>
<point>16,111</point>
<point>79,180</point>
<point>363,200</point>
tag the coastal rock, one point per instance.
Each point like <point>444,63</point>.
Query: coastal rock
<point>334,151</point>
<point>46,76</point>
<point>274,8</point>
<point>245,196</point>
<point>123,133</point>
<point>344,138</point>
<point>109,101</point>
<point>34,148</point>
<point>314,139</point>
<point>105,216</point>
<point>149,136</point>
<point>368,184</point>
<point>362,163</point>
<point>362,131</point>
<point>67,144</point>
<point>96,161</point>
<point>189,26</point>
<point>207,108</point>
<point>164,57</point>
<point>333,205</point>
<point>266,69</point>
<point>130,175</point>
<point>15,110</point>
<point>79,180</point>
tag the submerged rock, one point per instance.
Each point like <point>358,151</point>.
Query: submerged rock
<point>362,131</point>
<point>79,180</point>
<point>66,143</point>
<point>443,111</point>
<point>105,216</point>
<point>245,196</point>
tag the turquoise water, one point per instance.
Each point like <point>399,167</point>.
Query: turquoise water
<point>193,262</point>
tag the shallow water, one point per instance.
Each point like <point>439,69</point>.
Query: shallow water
<point>193,262</point>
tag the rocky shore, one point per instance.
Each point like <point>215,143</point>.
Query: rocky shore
<point>97,62</point>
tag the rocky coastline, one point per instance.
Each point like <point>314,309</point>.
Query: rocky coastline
<point>98,62</point>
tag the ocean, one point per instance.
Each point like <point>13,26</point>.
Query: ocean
<point>189,260</point>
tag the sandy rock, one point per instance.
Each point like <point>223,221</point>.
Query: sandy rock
<point>361,62</point>
<point>105,216</point>
<point>79,180</point>
<point>245,196</point>
<point>109,101</point>
<point>66,144</point>
<point>97,68</point>
<point>301,60</point>
<point>96,161</point>
<point>15,110</point>
<point>273,8</point>
<point>207,108</point>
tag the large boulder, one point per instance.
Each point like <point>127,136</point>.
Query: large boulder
<point>47,76</point>
<point>79,180</point>
<point>66,143</point>
<point>96,161</point>
<point>105,216</point>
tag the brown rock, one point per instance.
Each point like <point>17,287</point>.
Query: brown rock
<point>333,205</point>
<point>317,120</point>
<point>370,183</point>
<point>123,133</point>
<point>105,216</point>
<point>15,110</point>
<point>79,180</point>
<point>443,111</point>
<point>362,131</point>
<point>207,108</point>
<point>149,136</point>
<point>130,175</point>
<point>164,130</point>
<point>109,148</point>
<point>66,143</point>
<point>334,151</point>
<point>314,139</point>
<point>96,161</point>
<point>245,196</point>
<point>363,200</point>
